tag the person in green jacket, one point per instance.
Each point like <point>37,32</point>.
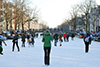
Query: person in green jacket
<point>47,38</point>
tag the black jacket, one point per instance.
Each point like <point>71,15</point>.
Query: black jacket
<point>55,36</point>
<point>15,39</point>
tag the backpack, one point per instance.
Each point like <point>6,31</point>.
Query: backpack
<point>87,39</point>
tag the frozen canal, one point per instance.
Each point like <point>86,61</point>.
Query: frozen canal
<point>71,54</point>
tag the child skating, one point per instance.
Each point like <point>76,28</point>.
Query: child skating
<point>60,39</point>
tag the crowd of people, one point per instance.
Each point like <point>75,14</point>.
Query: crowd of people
<point>47,38</point>
<point>23,36</point>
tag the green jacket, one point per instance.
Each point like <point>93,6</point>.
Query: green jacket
<point>47,38</point>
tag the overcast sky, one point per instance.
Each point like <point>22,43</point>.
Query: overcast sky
<point>54,11</point>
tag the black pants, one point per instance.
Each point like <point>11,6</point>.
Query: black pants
<point>86,47</point>
<point>14,45</point>
<point>1,49</point>
<point>67,38</point>
<point>47,55</point>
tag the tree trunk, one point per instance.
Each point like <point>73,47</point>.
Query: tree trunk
<point>75,23</point>
<point>22,26</point>
<point>29,25</point>
<point>6,25</point>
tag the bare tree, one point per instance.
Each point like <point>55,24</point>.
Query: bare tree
<point>20,9</point>
<point>22,14</point>
<point>33,15</point>
<point>19,13</point>
<point>74,14</point>
<point>85,9</point>
<point>7,13</point>
<point>43,24</point>
<point>65,25</point>
<point>26,11</point>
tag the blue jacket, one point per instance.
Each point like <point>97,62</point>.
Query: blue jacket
<point>89,38</point>
<point>2,40</point>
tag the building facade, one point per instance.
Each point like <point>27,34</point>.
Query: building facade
<point>95,18</point>
<point>13,18</point>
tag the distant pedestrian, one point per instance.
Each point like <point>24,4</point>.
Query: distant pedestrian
<point>23,40</point>
<point>28,37</point>
<point>64,36</point>
<point>47,38</point>
<point>1,49</point>
<point>87,41</point>
<point>29,42</point>
<point>67,37</point>
<point>72,35</point>
<point>32,41</point>
<point>55,39</point>
<point>15,41</point>
<point>33,35</point>
<point>60,39</point>
<point>37,35</point>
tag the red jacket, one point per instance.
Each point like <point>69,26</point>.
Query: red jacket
<point>64,35</point>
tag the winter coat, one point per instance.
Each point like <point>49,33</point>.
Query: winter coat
<point>55,36</point>
<point>64,35</point>
<point>67,35</point>
<point>89,38</point>
<point>60,38</point>
<point>47,38</point>
<point>72,35</point>
<point>23,38</point>
<point>33,40</point>
<point>15,38</point>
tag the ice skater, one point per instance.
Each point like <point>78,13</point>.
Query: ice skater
<point>67,37</point>
<point>55,39</point>
<point>23,40</point>
<point>72,36</point>
<point>32,41</point>
<point>60,39</point>
<point>1,49</point>
<point>47,38</point>
<point>64,36</point>
<point>15,41</point>
<point>87,41</point>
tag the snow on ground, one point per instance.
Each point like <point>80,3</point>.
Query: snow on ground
<point>71,54</point>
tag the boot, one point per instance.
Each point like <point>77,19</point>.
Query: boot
<point>1,53</point>
<point>60,44</point>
